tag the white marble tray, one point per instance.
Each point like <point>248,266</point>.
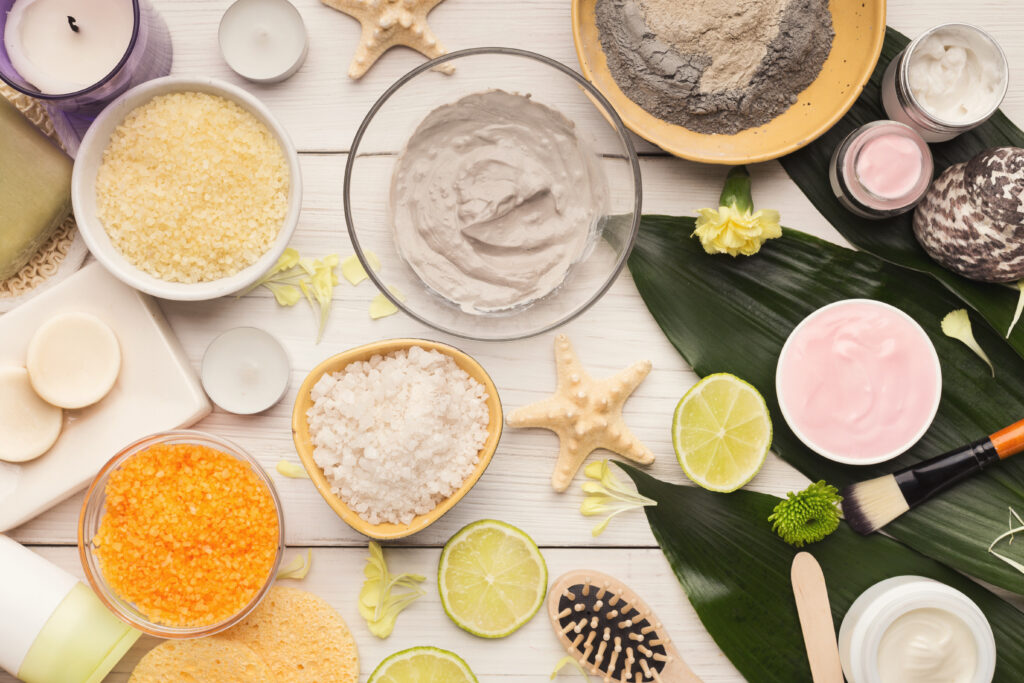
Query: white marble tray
<point>156,390</point>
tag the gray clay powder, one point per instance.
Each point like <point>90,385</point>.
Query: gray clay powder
<point>715,66</point>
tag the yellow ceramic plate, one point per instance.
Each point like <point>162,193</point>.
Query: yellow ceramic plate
<point>859,28</point>
<point>304,446</point>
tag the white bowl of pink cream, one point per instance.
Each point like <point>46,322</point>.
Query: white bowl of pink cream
<point>858,381</point>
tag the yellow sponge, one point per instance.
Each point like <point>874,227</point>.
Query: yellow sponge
<point>201,660</point>
<point>300,637</point>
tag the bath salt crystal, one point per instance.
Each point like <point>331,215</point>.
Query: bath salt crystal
<point>397,434</point>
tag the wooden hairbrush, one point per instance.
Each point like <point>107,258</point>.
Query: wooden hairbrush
<point>613,633</point>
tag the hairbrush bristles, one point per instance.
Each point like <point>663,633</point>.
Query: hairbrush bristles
<point>604,632</point>
<point>870,505</point>
<point>612,633</point>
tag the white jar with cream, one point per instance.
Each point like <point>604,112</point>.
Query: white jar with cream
<point>910,629</point>
<point>949,80</point>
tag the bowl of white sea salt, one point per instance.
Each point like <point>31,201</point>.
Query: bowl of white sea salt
<point>395,433</point>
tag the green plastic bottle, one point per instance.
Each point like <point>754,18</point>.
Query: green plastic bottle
<point>53,628</point>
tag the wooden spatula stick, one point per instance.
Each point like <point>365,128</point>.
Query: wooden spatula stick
<point>816,619</point>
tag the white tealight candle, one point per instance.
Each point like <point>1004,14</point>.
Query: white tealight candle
<point>263,40</point>
<point>245,371</point>
<point>63,46</point>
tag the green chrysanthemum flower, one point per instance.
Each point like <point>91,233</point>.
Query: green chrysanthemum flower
<point>808,516</point>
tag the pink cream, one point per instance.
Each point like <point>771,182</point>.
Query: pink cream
<point>859,381</point>
<point>889,165</point>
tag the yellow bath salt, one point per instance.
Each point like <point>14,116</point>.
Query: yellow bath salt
<point>189,534</point>
<point>192,187</point>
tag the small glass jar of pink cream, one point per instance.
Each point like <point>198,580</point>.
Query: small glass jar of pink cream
<point>882,169</point>
<point>858,381</point>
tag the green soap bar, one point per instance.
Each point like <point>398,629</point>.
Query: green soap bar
<point>35,189</point>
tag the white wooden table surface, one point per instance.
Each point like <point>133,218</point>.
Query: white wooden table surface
<point>321,108</point>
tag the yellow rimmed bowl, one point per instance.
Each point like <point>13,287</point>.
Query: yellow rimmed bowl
<point>94,506</point>
<point>304,445</point>
<point>859,32</point>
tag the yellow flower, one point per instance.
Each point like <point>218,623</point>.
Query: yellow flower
<point>736,228</point>
<point>379,603</point>
<point>734,232</point>
<point>607,495</point>
<point>297,568</point>
<point>288,259</point>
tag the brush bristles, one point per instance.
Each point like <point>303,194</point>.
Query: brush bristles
<point>623,645</point>
<point>870,505</point>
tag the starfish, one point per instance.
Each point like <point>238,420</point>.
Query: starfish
<point>585,413</point>
<point>387,23</point>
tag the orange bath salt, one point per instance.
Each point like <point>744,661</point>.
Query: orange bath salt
<point>189,534</point>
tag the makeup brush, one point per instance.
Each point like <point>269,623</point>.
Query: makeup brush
<point>870,505</point>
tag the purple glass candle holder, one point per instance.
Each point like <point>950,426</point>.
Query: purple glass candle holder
<point>149,55</point>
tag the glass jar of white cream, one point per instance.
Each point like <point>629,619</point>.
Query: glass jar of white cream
<point>949,80</point>
<point>910,629</point>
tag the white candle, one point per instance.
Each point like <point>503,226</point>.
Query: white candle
<point>263,40</point>
<point>48,53</point>
<point>245,371</point>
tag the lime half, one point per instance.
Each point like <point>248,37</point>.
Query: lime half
<point>423,665</point>
<point>721,432</point>
<point>492,578</point>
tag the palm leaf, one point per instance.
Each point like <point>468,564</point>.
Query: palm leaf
<point>733,315</point>
<point>893,239</point>
<point>735,572</point>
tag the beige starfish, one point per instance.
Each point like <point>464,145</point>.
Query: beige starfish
<point>387,23</point>
<point>585,413</point>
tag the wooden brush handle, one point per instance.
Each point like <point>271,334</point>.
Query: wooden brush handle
<point>1009,441</point>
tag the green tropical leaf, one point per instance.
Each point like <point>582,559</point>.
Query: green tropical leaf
<point>727,314</point>
<point>736,574</point>
<point>893,239</point>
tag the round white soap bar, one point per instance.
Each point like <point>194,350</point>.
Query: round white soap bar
<point>29,424</point>
<point>245,371</point>
<point>263,40</point>
<point>73,360</point>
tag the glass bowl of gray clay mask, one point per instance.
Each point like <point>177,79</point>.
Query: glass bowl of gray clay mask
<point>492,194</point>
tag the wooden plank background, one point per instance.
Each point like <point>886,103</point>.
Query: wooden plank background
<point>321,109</point>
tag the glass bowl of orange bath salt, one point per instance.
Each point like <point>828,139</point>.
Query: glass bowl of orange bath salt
<point>181,534</point>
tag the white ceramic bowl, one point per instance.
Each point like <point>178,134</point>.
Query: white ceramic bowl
<point>83,190</point>
<point>790,417</point>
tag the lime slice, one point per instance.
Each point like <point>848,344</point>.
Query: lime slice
<point>492,578</point>
<point>721,432</point>
<point>423,665</point>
